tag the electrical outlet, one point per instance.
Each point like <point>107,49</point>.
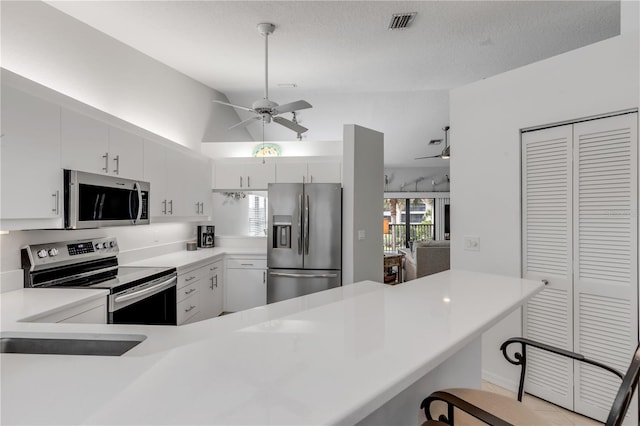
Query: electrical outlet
<point>471,243</point>
<point>362,235</point>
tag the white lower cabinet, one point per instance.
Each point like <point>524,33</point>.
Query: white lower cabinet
<point>245,283</point>
<point>199,293</point>
<point>93,312</point>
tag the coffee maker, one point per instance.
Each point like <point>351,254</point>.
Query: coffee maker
<point>206,236</point>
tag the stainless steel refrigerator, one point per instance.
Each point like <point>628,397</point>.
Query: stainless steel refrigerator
<point>304,239</point>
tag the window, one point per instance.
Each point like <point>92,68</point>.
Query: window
<point>410,219</point>
<point>257,215</point>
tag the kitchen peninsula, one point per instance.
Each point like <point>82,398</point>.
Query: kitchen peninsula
<point>363,353</point>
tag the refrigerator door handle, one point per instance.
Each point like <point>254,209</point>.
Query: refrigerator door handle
<point>306,227</point>
<point>290,275</point>
<point>299,224</point>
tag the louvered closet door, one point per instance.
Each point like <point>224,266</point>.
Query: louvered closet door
<point>605,256</point>
<point>547,254</point>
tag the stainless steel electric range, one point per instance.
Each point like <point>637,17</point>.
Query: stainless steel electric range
<point>137,295</point>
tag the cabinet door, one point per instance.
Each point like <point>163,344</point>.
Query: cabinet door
<point>203,183</point>
<point>245,289</point>
<point>180,189</point>
<point>259,176</point>
<point>155,172</point>
<point>291,172</point>
<point>217,271</point>
<point>125,154</point>
<point>230,175</point>
<point>31,175</point>
<point>324,172</point>
<point>85,143</point>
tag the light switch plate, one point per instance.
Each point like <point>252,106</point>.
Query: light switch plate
<point>471,243</point>
<point>362,235</point>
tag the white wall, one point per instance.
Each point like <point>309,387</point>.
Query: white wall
<point>57,51</point>
<point>362,195</point>
<point>486,118</point>
<point>289,149</point>
<point>417,179</point>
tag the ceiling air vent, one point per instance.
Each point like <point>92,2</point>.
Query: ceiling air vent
<point>400,21</point>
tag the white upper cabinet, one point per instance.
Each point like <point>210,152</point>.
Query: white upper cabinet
<point>314,171</point>
<point>85,143</point>
<point>125,154</point>
<point>154,172</point>
<point>291,172</point>
<point>180,183</point>
<point>93,146</point>
<point>244,175</point>
<point>31,176</point>
<point>324,172</point>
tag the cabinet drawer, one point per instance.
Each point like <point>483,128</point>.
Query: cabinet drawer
<point>246,263</point>
<point>187,290</point>
<point>191,277</point>
<point>186,309</point>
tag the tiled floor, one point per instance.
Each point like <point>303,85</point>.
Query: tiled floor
<point>554,415</point>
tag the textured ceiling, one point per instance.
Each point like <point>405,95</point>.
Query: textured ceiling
<point>344,60</point>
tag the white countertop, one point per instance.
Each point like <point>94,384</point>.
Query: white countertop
<point>185,260</point>
<point>326,358</point>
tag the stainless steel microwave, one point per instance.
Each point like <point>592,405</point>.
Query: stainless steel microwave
<point>94,201</point>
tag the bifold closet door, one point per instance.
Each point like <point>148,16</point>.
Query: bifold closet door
<point>605,228</point>
<point>547,255</point>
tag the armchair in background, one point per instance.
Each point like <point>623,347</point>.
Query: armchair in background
<point>426,258</point>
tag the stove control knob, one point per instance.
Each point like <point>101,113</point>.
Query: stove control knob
<point>98,246</point>
<point>112,244</point>
<point>42,253</point>
<point>53,252</point>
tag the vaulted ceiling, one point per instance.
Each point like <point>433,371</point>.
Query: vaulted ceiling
<point>343,59</point>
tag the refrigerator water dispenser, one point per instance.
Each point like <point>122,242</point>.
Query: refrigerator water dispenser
<point>282,232</point>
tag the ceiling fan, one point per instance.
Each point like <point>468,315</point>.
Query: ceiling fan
<point>445,154</point>
<point>265,109</point>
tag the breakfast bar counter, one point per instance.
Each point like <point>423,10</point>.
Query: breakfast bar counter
<point>363,353</point>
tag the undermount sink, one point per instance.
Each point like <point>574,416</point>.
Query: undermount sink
<point>68,344</point>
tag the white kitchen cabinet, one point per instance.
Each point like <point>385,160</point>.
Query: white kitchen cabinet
<point>329,171</point>
<point>211,290</point>
<point>324,172</point>
<point>125,154</point>
<point>291,172</point>
<point>245,283</point>
<point>199,293</point>
<point>245,175</point>
<point>93,146</point>
<point>154,172</point>
<point>179,183</point>
<point>31,176</point>
<point>92,312</point>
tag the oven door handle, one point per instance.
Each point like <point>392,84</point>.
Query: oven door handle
<point>153,289</point>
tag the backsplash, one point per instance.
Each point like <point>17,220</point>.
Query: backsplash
<point>130,239</point>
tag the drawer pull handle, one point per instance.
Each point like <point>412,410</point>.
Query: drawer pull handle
<point>190,308</point>
<point>246,264</point>
<point>189,279</point>
<point>191,290</point>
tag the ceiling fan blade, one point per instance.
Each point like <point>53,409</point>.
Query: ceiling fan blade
<point>246,122</point>
<point>290,124</point>
<point>234,106</point>
<point>292,106</point>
